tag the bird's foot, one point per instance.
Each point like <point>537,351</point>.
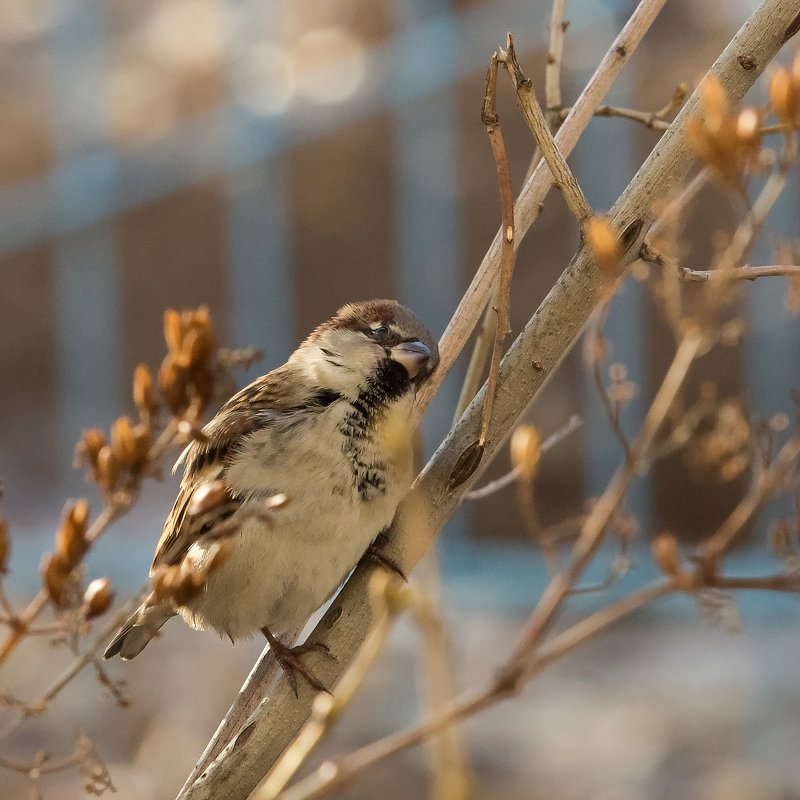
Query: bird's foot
<point>289,661</point>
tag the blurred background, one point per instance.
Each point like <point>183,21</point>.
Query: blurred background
<point>273,159</point>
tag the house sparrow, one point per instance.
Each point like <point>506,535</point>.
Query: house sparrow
<point>330,430</point>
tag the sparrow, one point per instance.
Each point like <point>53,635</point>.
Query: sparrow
<point>331,431</point>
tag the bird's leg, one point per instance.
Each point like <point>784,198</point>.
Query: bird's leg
<point>289,660</point>
<point>375,554</point>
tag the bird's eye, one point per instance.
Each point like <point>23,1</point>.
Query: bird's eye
<point>379,334</point>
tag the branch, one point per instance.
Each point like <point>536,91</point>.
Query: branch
<point>552,70</point>
<point>341,771</point>
<point>502,327</point>
<point>534,117</point>
<point>745,273</point>
<point>528,205</point>
<point>545,340</point>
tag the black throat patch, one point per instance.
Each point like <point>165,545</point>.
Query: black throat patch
<point>388,383</point>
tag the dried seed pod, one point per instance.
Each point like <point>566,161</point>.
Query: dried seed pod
<point>715,103</point>
<point>783,96</point>
<point>5,547</point>
<point>87,449</point>
<point>206,497</point>
<point>97,597</point>
<point>143,389</point>
<point>526,449</point>
<point>122,441</point>
<point>107,469</point>
<point>141,445</point>
<point>173,382</point>
<point>604,242</point>
<point>173,331</point>
<point>665,553</point>
<point>71,543</point>
<point>54,576</point>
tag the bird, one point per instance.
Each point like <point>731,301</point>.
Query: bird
<point>329,431</point>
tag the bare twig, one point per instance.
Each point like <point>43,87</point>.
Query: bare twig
<point>534,117</point>
<point>745,273</point>
<point>597,522</point>
<point>763,486</point>
<point>611,408</point>
<point>552,70</point>
<point>528,205</point>
<point>502,326</point>
<point>81,661</point>
<point>572,424</point>
<point>338,772</point>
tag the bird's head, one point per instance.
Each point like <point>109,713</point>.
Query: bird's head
<point>377,344</point>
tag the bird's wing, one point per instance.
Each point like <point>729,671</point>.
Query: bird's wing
<point>206,461</point>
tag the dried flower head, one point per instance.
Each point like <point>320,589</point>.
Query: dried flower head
<point>108,467</point>
<point>97,598</point>
<point>54,577</point>
<point>71,542</point>
<point>727,142</point>
<point>784,94</point>
<point>87,451</point>
<point>186,376</point>
<point>143,391</point>
<point>603,240</point>
<point>725,448</point>
<point>665,554</point>
<point>526,449</point>
<point>183,582</point>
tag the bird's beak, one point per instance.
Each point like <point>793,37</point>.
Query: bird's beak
<point>414,356</point>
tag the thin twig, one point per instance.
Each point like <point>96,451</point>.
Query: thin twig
<point>340,771</point>
<point>765,483</point>
<point>502,326</point>
<point>572,424</point>
<point>534,117</point>
<point>552,70</point>
<point>611,408</point>
<point>529,202</point>
<point>745,273</point>
<point>598,520</point>
<point>80,662</point>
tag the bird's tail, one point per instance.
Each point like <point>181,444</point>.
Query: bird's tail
<point>140,628</point>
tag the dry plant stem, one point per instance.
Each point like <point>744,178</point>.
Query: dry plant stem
<point>545,340</point>
<point>611,408</point>
<point>115,506</point>
<point>54,689</point>
<point>480,353</point>
<point>573,423</point>
<point>447,761</point>
<point>534,117</point>
<point>597,522</point>
<point>534,528</point>
<point>745,273</point>
<point>528,204</point>
<point>502,326</point>
<point>23,622</point>
<point>552,81</point>
<point>339,772</point>
<point>552,70</point>
<point>760,492</point>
